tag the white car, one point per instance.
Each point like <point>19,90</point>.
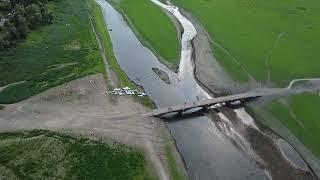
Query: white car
<point>127,92</point>
<point>120,93</point>
<point>141,94</point>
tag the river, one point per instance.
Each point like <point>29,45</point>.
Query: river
<point>208,153</point>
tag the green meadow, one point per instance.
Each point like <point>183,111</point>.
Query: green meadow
<point>155,28</point>
<point>300,114</point>
<point>51,55</point>
<point>42,154</point>
<point>283,34</point>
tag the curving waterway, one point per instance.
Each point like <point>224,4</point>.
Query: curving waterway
<point>208,153</point>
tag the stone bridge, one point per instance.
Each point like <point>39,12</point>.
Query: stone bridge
<point>226,99</point>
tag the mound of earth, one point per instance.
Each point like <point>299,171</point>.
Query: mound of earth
<point>162,75</point>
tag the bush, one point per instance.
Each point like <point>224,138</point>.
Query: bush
<point>25,15</point>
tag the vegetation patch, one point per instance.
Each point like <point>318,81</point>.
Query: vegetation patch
<point>162,75</point>
<point>299,114</point>
<point>45,47</point>
<point>21,17</point>
<point>42,154</point>
<point>173,167</point>
<point>155,27</point>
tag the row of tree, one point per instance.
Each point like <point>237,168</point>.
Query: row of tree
<point>24,16</point>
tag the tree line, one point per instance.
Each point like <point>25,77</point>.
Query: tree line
<point>23,16</point>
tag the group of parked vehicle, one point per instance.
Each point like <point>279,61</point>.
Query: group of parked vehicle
<point>126,91</point>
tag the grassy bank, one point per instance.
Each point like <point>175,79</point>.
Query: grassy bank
<point>173,167</point>
<point>155,28</point>
<point>284,33</point>
<point>101,29</point>
<point>41,154</point>
<point>52,54</point>
<point>299,114</point>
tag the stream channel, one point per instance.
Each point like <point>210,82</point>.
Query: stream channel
<point>208,153</point>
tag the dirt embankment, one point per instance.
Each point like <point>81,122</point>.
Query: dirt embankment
<point>82,106</point>
<point>207,69</point>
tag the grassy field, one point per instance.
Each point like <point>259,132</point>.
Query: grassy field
<point>155,27</point>
<point>283,33</point>
<point>299,114</point>
<point>51,55</point>
<point>41,154</point>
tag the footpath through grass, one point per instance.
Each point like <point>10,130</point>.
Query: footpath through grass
<point>51,55</point>
<point>42,154</point>
<point>154,27</point>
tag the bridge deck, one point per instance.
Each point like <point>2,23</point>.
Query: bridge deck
<point>211,102</point>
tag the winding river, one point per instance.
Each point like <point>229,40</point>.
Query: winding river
<point>208,153</point>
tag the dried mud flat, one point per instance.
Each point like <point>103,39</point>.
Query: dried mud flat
<point>82,106</point>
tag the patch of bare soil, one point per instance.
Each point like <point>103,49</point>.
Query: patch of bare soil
<point>82,106</point>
